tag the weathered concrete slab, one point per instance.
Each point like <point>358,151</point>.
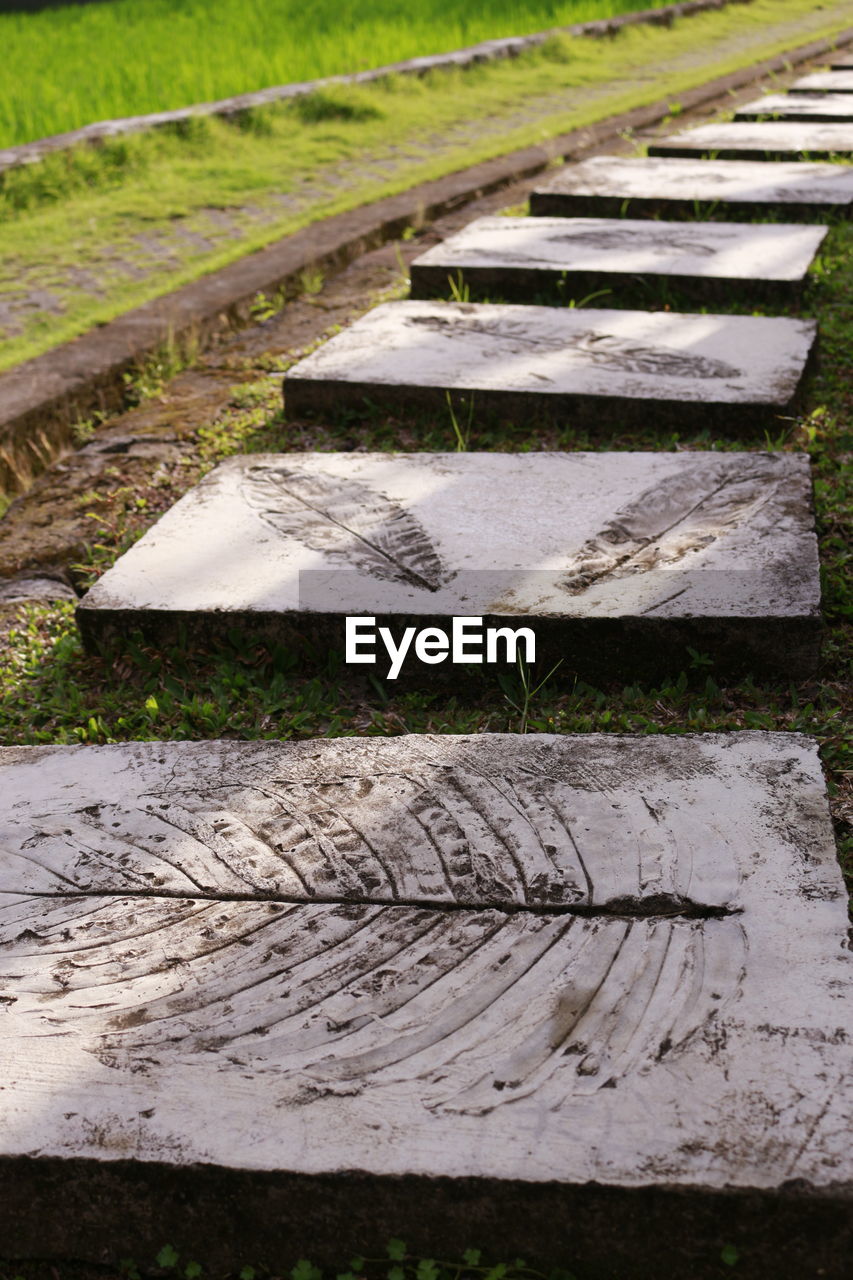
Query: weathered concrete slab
<point>584,365</point>
<point>835,81</point>
<point>430,977</point>
<point>769,140</point>
<point>827,107</point>
<point>615,186</point>
<point>520,258</point>
<point>617,560</point>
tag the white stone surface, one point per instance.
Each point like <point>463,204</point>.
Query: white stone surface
<point>547,351</point>
<point>561,535</point>
<point>741,182</point>
<point>712,250</point>
<point>799,106</point>
<point>678,1014</point>
<point>825,82</point>
<point>769,138</point>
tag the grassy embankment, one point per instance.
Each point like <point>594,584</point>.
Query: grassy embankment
<point>131,57</point>
<point>88,234</point>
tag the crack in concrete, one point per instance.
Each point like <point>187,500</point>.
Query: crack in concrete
<point>662,906</point>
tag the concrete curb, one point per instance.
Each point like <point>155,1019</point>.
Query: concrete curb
<point>41,398</point>
<point>486,51</point>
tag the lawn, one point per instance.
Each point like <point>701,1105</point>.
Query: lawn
<point>129,57</point>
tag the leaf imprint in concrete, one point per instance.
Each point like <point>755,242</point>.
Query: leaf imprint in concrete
<point>519,257</point>
<point>587,365</point>
<point>413,955</point>
<point>642,550</point>
<point>613,186</point>
<point>352,525</point>
<point>771,140</point>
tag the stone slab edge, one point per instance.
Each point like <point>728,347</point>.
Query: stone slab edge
<point>41,398</point>
<point>485,51</point>
<point>226,1216</point>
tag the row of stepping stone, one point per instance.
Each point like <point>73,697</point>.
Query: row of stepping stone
<point>498,985</point>
<point>623,561</point>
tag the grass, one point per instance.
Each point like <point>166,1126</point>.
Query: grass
<point>168,1264</point>
<point>88,234</point>
<point>53,693</point>
<point>130,57</point>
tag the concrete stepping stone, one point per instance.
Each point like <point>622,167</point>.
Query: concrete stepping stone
<point>616,561</point>
<point>842,64</point>
<point>479,971</point>
<point>826,107</point>
<point>768,140</point>
<point>583,366</point>
<point>835,81</point>
<point>520,258</point>
<point>616,186</point>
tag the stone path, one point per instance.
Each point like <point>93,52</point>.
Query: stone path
<point>617,186</point>
<point>520,258</point>
<point>774,140</point>
<point>803,107</point>
<point>612,556</point>
<point>584,365</point>
<point>414,956</point>
<point>510,970</point>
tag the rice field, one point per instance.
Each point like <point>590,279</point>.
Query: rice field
<point>68,65</point>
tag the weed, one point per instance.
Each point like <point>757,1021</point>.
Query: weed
<point>263,308</point>
<point>573,303</point>
<point>311,281</point>
<point>521,702</point>
<point>462,436</point>
<point>460,290</point>
<point>82,431</point>
<point>150,377</point>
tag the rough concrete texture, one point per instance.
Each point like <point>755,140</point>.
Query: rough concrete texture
<point>528,964</point>
<point>519,256</point>
<point>594,366</point>
<point>743,188</point>
<point>835,81</point>
<point>827,107</point>
<point>770,140</point>
<point>641,544</point>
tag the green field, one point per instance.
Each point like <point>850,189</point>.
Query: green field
<point>67,66</point>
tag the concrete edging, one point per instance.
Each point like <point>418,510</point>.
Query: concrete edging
<point>41,398</point>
